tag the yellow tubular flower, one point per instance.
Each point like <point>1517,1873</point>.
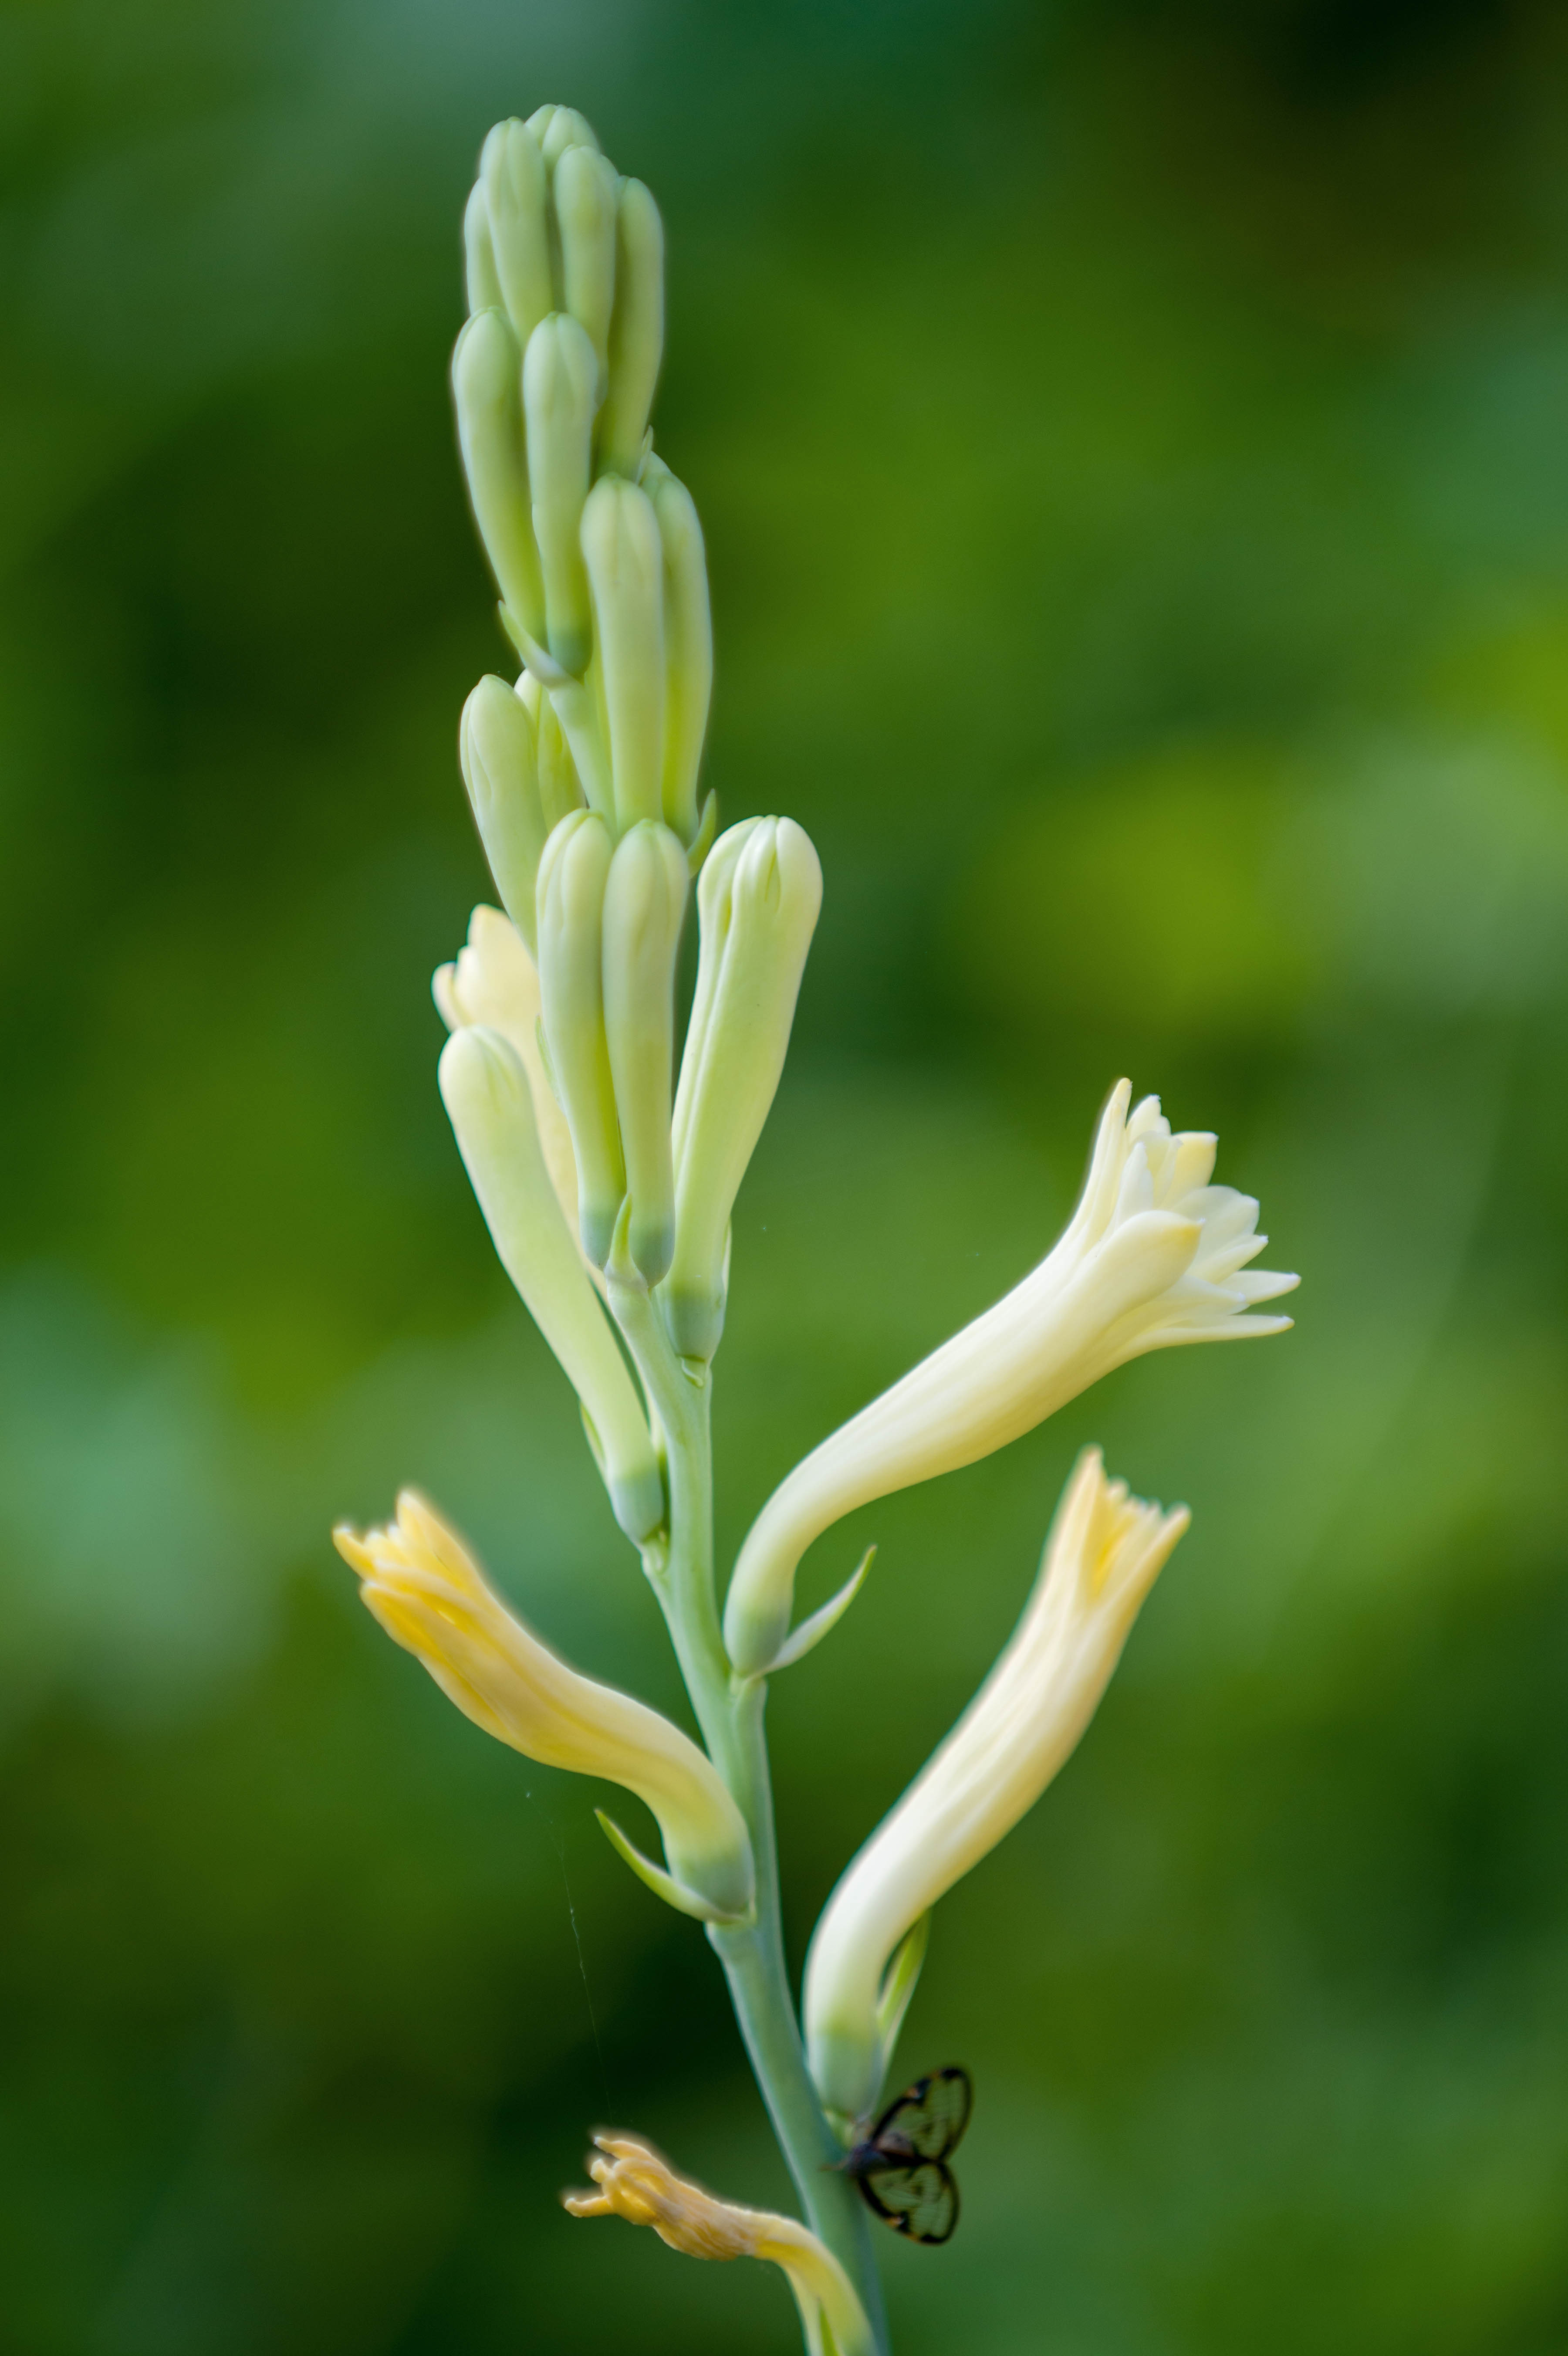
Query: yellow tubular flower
<point>420,1582</point>
<point>1105,1551</point>
<point>1154,1255</point>
<point>638,2183</point>
<point>485,1092</point>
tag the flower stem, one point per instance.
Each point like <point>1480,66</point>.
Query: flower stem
<point>729,1711</point>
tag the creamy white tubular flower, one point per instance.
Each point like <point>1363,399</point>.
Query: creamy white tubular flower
<point>636,2182</point>
<point>493,981</point>
<point>1153,1256</point>
<point>1103,1553</point>
<point>427,1591</point>
<point>645,901</point>
<point>488,1101</point>
<point>758,902</point>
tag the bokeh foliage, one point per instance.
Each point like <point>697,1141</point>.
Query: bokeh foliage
<point>1133,442</point>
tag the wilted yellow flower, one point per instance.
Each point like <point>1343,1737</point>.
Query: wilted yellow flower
<point>1105,1551</point>
<point>1153,1256</point>
<point>638,2183</point>
<point>429,1594</point>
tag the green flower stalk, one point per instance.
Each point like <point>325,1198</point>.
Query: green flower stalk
<point>610,1192</point>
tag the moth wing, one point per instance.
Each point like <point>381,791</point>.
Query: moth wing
<point>921,2202</point>
<point>930,2119</point>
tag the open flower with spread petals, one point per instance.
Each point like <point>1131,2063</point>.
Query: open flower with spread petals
<point>429,1594</point>
<point>1154,1255</point>
<point>1105,1551</point>
<point>638,2183</point>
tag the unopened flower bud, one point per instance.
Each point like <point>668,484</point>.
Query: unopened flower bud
<point>758,903</point>
<point>571,901</point>
<point>429,1595</point>
<point>645,902</point>
<point>482,280</point>
<point>512,175</point>
<point>484,367</point>
<point>560,789</point>
<point>556,128</point>
<point>500,769</point>
<point>487,1098</point>
<point>637,329</point>
<point>560,377</point>
<point>688,648</point>
<point>625,572</point>
<point>585,186</point>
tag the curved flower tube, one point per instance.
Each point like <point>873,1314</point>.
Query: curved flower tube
<point>638,2183</point>
<point>1154,1255</point>
<point>1104,1552</point>
<point>421,1582</point>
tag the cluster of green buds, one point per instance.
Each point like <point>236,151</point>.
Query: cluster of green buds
<point>584,777</point>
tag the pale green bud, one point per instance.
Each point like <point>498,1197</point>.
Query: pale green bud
<point>559,398</point>
<point>637,329</point>
<point>560,789</point>
<point>571,900</point>
<point>556,128</point>
<point>688,650</point>
<point>512,175</point>
<point>486,1091</point>
<point>484,367</point>
<point>645,902</point>
<point>479,255</point>
<point>498,750</point>
<point>584,187</point>
<point>758,911</point>
<point>625,575</point>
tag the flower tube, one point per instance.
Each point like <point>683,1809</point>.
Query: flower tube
<point>1103,1553</point>
<point>638,2183</point>
<point>1154,1255</point>
<point>486,1095</point>
<point>420,1582</point>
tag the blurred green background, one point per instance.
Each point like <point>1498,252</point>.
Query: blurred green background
<point>1133,442</point>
